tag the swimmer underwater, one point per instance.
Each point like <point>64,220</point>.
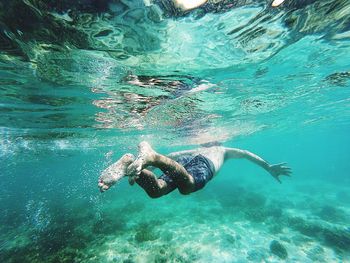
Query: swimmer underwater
<point>187,171</point>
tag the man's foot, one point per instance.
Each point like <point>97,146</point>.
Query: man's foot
<point>115,172</point>
<point>145,157</point>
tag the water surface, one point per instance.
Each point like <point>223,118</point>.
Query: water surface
<point>82,83</point>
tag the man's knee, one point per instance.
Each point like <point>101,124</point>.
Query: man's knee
<point>154,194</point>
<point>185,190</point>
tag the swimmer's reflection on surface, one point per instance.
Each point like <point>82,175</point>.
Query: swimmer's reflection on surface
<point>178,95</point>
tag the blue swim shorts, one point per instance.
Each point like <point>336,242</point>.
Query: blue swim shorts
<point>200,167</point>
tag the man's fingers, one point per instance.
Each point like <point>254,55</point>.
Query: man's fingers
<point>286,167</point>
<point>278,180</point>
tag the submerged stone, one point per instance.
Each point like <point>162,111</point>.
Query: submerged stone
<point>275,229</point>
<point>337,239</point>
<point>316,254</point>
<point>257,255</point>
<point>305,227</point>
<point>145,234</point>
<point>278,249</point>
<point>331,214</point>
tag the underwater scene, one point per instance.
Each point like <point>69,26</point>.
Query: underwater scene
<point>84,82</point>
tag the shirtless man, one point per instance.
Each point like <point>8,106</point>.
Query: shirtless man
<point>188,171</point>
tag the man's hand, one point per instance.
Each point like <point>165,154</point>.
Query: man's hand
<point>279,169</point>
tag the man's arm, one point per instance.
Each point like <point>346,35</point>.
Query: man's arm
<point>275,170</point>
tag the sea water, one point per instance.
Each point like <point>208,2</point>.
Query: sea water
<point>83,83</point>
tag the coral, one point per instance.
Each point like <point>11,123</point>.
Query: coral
<point>337,239</point>
<point>256,215</point>
<point>230,239</point>
<point>338,78</point>
<point>278,249</point>
<point>305,227</point>
<point>257,255</point>
<point>275,229</point>
<point>65,255</point>
<point>128,260</point>
<point>132,207</point>
<point>171,254</point>
<point>145,232</point>
<point>255,200</point>
<point>167,236</point>
<point>274,211</point>
<point>109,225</point>
<point>316,254</point>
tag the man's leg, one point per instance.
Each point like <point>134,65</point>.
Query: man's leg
<point>147,180</point>
<point>115,172</point>
<point>148,157</point>
<point>153,186</point>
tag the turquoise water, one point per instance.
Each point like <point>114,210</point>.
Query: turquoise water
<point>83,83</point>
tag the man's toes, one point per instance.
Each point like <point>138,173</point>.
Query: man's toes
<point>128,157</point>
<point>141,144</point>
<point>103,186</point>
<point>131,180</point>
<point>132,169</point>
<point>129,170</point>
